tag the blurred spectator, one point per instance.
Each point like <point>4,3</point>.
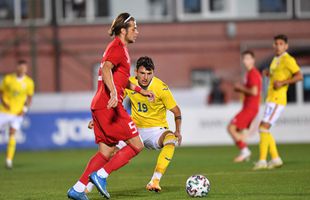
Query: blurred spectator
<point>217,94</point>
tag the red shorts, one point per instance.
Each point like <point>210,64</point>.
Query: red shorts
<point>244,118</point>
<point>113,125</point>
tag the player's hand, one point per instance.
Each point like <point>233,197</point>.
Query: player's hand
<point>277,84</point>
<point>149,94</point>
<point>237,87</point>
<point>91,124</point>
<point>265,72</point>
<point>113,100</point>
<point>179,137</point>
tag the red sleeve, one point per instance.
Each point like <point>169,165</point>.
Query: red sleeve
<point>253,79</point>
<point>113,55</point>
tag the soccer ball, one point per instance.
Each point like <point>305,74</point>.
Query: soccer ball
<point>197,186</point>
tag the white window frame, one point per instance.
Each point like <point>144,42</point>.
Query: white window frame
<point>299,13</point>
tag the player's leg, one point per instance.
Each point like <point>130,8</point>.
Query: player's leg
<point>15,124</point>
<point>167,141</point>
<point>11,147</point>
<point>276,160</point>
<point>124,129</point>
<point>267,142</point>
<point>241,122</point>
<point>120,158</point>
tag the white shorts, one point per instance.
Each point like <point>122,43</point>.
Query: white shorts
<point>272,112</point>
<point>13,121</point>
<point>149,136</point>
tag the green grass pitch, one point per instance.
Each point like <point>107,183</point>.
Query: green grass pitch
<point>48,175</point>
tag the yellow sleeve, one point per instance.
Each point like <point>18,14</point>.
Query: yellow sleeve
<point>292,65</point>
<point>168,98</point>
<point>125,93</point>
<point>30,89</point>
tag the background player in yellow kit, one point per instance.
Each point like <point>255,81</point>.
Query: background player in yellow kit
<point>149,115</point>
<point>16,91</point>
<point>283,71</point>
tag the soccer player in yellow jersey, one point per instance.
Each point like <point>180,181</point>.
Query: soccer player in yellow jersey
<point>149,115</point>
<point>16,91</point>
<point>283,71</point>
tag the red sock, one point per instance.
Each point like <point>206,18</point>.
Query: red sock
<point>121,158</point>
<point>240,144</point>
<point>94,164</point>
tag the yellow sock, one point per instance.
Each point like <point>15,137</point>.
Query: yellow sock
<point>165,156</point>
<point>273,147</point>
<point>11,148</point>
<point>263,145</point>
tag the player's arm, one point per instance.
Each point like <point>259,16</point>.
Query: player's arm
<point>107,78</point>
<point>295,78</point>
<point>3,102</point>
<point>138,89</point>
<point>249,91</point>
<point>178,120</point>
<point>27,105</point>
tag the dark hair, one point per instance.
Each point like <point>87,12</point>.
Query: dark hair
<point>121,21</point>
<point>21,62</point>
<point>281,37</point>
<point>146,62</point>
<point>248,52</point>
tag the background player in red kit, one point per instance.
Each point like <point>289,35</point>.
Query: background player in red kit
<point>111,121</point>
<point>252,91</point>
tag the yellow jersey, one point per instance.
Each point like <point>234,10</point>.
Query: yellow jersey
<point>146,114</point>
<point>14,93</point>
<point>281,68</point>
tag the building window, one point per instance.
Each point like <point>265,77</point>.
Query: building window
<point>274,6</point>
<point>6,10</point>
<point>23,12</point>
<point>217,5</point>
<point>192,6</point>
<point>302,8</point>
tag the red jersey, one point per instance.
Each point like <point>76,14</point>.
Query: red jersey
<point>117,53</point>
<point>253,78</point>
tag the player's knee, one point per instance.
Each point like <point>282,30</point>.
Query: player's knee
<point>170,138</point>
<point>264,127</point>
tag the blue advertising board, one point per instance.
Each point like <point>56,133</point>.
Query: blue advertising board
<point>53,130</point>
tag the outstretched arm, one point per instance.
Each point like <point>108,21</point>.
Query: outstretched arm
<point>138,89</point>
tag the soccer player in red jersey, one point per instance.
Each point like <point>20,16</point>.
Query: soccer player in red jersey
<point>252,95</point>
<point>111,121</point>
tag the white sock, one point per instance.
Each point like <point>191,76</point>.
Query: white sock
<point>89,187</point>
<point>156,175</point>
<point>102,173</point>
<point>79,187</point>
<point>245,150</point>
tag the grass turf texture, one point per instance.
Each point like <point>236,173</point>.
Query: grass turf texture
<point>48,175</point>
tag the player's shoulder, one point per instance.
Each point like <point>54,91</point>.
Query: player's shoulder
<point>9,77</point>
<point>159,86</point>
<point>29,79</point>
<point>133,79</point>
<point>288,57</point>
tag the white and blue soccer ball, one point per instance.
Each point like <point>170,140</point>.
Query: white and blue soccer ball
<point>197,186</point>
